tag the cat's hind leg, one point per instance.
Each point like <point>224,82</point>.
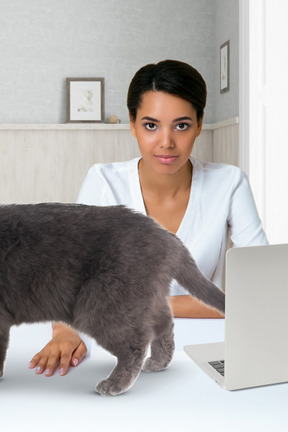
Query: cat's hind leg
<point>162,346</point>
<point>4,339</point>
<point>129,363</point>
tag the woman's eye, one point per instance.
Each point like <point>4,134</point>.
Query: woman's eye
<point>150,126</point>
<point>182,126</point>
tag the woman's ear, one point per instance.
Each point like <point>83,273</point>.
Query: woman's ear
<point>132,126</point>
<point>200,124</point>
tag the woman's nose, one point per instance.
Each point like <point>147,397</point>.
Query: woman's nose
<point>167,140</point>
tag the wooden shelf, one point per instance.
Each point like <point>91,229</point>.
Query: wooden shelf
<point>65,126</point>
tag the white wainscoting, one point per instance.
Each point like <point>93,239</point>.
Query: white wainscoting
<point>46,163</point>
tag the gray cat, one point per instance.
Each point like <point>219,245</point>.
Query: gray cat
<point>105,271</point>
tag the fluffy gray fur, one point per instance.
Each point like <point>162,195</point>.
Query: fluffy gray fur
<point>105,271</point>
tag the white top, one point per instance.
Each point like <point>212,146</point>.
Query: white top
<point>220,200</point>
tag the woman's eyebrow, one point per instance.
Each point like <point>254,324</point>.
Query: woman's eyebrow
<point>150,119</point>
<point>182,119</point>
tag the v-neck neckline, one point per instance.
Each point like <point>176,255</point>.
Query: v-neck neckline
<point>189,214</point>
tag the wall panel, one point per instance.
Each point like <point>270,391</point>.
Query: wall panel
<point>45,163</point>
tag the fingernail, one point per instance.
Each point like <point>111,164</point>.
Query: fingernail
<point>62,371</point>
<point>30,365</point>
<point>75,362</point>
<point>38,369</point>
<point>47,372</point>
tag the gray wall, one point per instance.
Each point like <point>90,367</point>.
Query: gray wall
<point>227,28</point>
<point>44,41</point>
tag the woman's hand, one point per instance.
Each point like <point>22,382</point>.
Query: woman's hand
<point>65,348</point>
<point>185,306</point>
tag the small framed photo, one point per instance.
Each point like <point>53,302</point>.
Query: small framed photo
<point>224,67</point>
<point>85,100</point>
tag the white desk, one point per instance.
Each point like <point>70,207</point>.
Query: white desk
<point>180,398</point>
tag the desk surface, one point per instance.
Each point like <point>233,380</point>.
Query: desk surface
<point>179,398</point>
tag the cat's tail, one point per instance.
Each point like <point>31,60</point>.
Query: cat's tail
<point>188,275</point>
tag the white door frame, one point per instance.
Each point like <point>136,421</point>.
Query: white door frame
<point>252,106</point>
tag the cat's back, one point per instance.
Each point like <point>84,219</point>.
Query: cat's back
<point>79,223</point>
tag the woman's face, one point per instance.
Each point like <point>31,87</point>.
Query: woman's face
<point>166,127</point>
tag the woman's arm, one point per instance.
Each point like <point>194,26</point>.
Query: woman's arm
<point>185,306</point>
<point>244,222</point>
<point>65,348</point>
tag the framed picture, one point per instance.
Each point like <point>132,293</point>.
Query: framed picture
<point>85,100</point>
<point>224,67</point>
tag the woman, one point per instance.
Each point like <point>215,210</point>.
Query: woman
<point>200,202</point>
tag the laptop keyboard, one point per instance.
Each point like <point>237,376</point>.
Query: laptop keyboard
<point>218,365</point>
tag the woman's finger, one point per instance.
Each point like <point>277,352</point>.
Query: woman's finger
<point>52,363</point>
<point>78,354</point>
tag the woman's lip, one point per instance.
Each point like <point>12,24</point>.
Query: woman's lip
<point>166,159</point>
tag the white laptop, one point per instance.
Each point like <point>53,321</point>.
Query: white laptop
<point>255,351</point>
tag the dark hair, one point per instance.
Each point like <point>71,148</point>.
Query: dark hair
<point>170,76</point>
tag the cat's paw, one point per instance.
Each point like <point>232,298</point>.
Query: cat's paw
<point>152,365</point>
<point>109,388</point>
